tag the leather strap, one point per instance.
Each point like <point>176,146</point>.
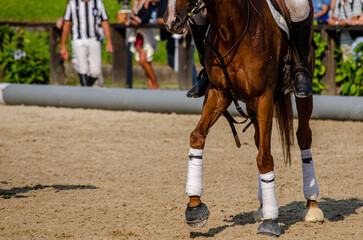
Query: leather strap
<point>267,181</point>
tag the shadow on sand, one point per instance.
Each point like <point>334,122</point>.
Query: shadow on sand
<point>17,192</point>
<point>334,210</point>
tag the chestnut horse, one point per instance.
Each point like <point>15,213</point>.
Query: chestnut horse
<point>244,61</point>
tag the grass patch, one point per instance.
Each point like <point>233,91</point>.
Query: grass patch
<point>44,10</point>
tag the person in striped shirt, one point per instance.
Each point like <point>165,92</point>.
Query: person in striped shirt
<point>85,17</point>
<point>345,12</point>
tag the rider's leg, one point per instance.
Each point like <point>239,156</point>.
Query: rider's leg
<point>302,37</point>
<point>302,24</point>
<point>83,78</point>
<point>198,90</point>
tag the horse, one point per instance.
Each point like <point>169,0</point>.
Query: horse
<point>244,61</point>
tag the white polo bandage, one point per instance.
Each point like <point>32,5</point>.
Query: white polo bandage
<point>194,185</point>
<point>259,195</point>
<point>269,202</point>
<point>311,189</point>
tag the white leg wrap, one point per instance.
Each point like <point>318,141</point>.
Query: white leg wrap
<point>311,189</point>
<point>269,208</point>
<point>194,185</point>
<point>259,195</point>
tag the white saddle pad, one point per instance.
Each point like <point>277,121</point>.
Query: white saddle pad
<point>279,19</point>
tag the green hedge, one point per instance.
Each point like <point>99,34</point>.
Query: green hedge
<point>350,72</point>
<point>24,56</point>
<point>319,72</point>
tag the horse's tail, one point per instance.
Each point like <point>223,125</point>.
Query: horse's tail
<point>285,125</point>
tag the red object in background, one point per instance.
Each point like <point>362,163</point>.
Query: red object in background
<point>139,40</point>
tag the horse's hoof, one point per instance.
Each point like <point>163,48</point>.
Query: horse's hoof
<point>257,216</point>
<point>270,228</point>
<point>313,214</point>
<point>196,217</point>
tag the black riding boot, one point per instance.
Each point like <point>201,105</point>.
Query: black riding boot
<point>83,78</point>
<point>302,37</point>
<point>198,90</point>
<point>91,81</point>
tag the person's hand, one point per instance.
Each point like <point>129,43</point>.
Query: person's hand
<point>343,22</point>
<point>134,20</point>
<point>330,21</point>
<point>63,51</point>
<point>59,23</point>
<point>109,47</point>
<point>352,22</point>
<point>336,22</point>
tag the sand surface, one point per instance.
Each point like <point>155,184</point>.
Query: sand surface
<point>94,174</point>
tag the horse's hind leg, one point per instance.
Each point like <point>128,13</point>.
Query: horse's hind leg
<point>311,190</point>
<point>214,105</point>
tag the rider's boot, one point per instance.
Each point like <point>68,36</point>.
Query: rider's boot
<point>198,90</point>
<point>302,37</point>
<point>91,81</point>
<point>200,87</point>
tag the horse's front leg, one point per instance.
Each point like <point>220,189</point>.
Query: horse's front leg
<point>311,190</point>
<point>265,108</point>
<point>215,104</point>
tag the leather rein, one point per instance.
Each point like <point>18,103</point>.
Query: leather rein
<point>199,5</point>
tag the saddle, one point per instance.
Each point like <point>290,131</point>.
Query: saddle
<point>281,15</point>
<point>282,18</point>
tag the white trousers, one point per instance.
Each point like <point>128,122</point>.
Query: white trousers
<point>299,9</point>
<point>88,56</point>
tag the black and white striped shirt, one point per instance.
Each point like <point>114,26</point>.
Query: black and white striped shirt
<point>86,17</point>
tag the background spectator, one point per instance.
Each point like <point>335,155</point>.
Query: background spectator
<point>144,39</point>
<point>85,37</point>
<point>321,10</point>
<point>346,12</point>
